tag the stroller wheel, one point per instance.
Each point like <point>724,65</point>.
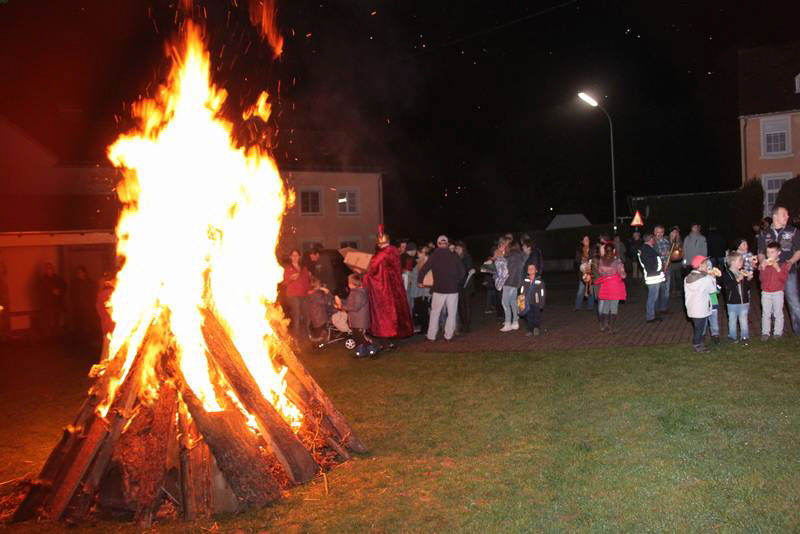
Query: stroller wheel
<point>350,343</point>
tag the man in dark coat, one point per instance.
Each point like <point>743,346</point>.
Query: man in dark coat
<point>388,303</point>
<point>448,272</point>
<point>653,270</point>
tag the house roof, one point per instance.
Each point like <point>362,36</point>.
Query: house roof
<point>767,79</point>
<point>569,220</point>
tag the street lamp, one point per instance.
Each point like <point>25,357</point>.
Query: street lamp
<point>595,104</point>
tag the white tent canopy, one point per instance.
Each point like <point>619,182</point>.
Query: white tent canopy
<point>569,220</point>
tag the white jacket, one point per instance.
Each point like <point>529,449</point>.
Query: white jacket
<point>697,287</point>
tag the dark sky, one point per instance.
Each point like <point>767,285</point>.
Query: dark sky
<point>468,107</point>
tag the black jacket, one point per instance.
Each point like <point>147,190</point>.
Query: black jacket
<point>650,261</point>
<point>735,292</point>
<point>448,271</point>
<point>516,260</point>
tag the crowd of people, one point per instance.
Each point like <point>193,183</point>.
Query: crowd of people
<point>408,289</point>
<point>708,275</point>
<point>76,309</point>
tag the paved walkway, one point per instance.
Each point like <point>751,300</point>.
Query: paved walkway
<point>564,328</point>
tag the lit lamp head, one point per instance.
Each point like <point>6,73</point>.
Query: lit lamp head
<point>588,99</point>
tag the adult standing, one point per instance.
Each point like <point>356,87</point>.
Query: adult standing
<point>448,272</point>
<point>296,281</point>
<point>583,258</point>
<point>465,287</point>
<point>653,270</point>
<point>500,272</point>
<point>516,260</point>
<point>320,266</point>
<point>388,303</point>
<point>51,289</point>
<point>622,251</point>
<point>420,296</point>
<point>695,244</point>
<point>676,261</point>
<point>633,254</point>
<point>788,238</point>
<point>663,247</point>
<point>533,256</point>
<point>104,312</point>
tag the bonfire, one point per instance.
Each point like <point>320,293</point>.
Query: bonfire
<point>200,403</point>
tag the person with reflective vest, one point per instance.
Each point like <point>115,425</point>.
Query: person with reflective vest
<point>653,270</point>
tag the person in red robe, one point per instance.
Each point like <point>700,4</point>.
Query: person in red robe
<point>388,304</point>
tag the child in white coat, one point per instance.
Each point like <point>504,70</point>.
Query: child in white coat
<point>698,287</point>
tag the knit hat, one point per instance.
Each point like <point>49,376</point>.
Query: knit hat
<point>697,260</point>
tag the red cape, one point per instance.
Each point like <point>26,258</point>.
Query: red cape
<point>388,304</point>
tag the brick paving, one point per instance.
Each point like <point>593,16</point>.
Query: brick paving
<point>564,328</point>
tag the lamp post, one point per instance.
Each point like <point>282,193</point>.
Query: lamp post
<point>595,104</point>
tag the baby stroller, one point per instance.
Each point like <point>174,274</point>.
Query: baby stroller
<point>334,331</point>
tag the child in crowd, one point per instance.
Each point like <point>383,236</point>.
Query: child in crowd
<point>611,280</point>
<point>698,286</point>
<point>319,307</point>
<point>749,260</point>
<point>531,302</point>
<point>736,287</point>
<point>773,277</point>
<point>357,307</point>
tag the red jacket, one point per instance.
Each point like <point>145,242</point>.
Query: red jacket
<point>772,280</point>
<point>388,303</point>
<point>300,285</point>
<point>612,285</point>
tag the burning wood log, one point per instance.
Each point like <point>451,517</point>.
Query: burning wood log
<point>143,454</point>
<point>79,499</point>
<point>295,459</point>
<point>234,447</point>
<point>345,433</point>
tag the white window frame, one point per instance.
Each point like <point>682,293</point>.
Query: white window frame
<point>310,189</point>
<point>773,125</point>
<point>351,238</point>
<point>765,178</point>
<point>354,190</point>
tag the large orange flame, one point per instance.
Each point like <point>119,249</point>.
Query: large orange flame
<point>199,229</point>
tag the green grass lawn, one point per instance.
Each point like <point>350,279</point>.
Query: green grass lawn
<point>637,440</point>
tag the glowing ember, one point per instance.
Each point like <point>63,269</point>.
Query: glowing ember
<point>199,229</point>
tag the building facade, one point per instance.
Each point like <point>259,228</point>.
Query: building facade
<point>334,209</point>
<point>769,116</point>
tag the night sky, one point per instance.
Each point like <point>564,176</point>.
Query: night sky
<point>469,108</point>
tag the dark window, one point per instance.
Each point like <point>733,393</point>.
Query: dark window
<point>309,202</point>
